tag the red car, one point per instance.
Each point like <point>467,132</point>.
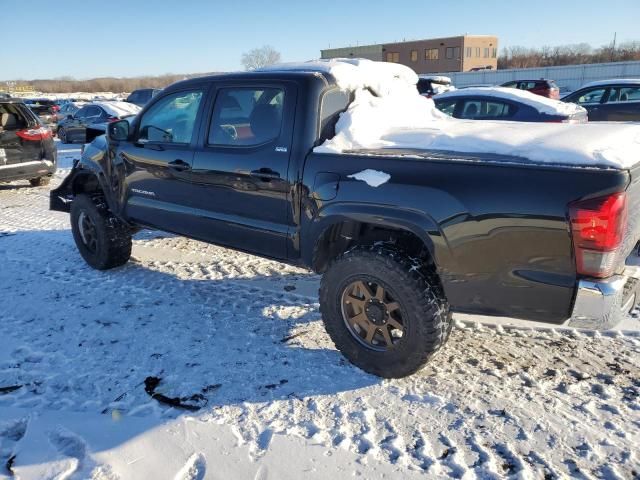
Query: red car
<point>545,88</point>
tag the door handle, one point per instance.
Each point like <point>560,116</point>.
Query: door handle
<point>265,173</point>
<point>179,165</point>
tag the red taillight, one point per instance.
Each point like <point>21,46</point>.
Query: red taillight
<point>597,228</point>
<point>55,108</point>
<point>34,134</point>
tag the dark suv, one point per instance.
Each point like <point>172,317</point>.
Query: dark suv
<point>27,151</point>
<point>142,96</point>
<point>545,88</point>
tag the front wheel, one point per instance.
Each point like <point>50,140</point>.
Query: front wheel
<point>102,239</point>
<point>385,315</point>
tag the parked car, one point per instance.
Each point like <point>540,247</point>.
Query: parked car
<point>142,96</point>
<point>403,237</point>
<point>27,151</point>
<point>542,87</point>
<point>499,103</point>
<point>66,109</point>
<point>615,100</point>
<point>430,85</point>
<point>45,109</point>
<point>93,116</point>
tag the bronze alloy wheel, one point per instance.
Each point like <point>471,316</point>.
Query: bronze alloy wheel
<point>372,315</point>
<point>88,232</point>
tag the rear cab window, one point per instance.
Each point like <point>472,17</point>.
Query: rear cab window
<point>334,102</point>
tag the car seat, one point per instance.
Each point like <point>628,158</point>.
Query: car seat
<point>8,121</point>
<point>265,122</point>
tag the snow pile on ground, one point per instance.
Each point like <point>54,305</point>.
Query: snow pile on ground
<point>542,104</point>
<point>241,339</point>
<point>119,109</point>
<point>397,116</point>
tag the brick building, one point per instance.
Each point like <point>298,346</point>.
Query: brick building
<point>451,54</point>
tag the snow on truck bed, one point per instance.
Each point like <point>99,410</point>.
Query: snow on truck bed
<point>397,116</point>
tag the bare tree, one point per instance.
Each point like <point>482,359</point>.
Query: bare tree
<point>521,57</point>
<point>260,57</point>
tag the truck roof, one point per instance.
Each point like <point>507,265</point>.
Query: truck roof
<point>295,75</point>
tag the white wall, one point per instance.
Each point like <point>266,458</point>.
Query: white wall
<point>571,77</point>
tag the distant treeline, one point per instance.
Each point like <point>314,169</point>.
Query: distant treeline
<point>104,84</point>
<point>522,57</point>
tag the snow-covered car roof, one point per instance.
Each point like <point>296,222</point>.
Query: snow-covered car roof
<point>118,109</point>
<point>542,104</point>
<point>613,81</point>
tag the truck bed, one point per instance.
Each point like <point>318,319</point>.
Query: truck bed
<point>497,225</point>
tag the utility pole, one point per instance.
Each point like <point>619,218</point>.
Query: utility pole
<point>613,46</point>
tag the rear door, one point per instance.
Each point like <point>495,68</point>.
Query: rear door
<point>158,162</point>
<point>74,127</point>
<point>240,172</point>
<point>622,104</point>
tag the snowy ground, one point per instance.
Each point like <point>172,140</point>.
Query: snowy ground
<point>241,337</point>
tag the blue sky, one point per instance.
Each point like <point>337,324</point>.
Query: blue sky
<point>88,38</point>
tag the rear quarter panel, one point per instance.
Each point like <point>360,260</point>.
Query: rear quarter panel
<point>497,231</point>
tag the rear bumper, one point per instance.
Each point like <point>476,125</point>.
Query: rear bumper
<point>603,303</point>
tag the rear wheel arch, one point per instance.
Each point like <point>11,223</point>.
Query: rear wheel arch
<point>344,234</point>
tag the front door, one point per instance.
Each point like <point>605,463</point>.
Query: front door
<point>591,99</point>
<point>157,162</point>
<point>241,171</point>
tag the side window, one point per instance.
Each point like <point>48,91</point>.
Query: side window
<point>498,110</point>
<point>246,116</point>
<point>333,103</point>
<point>92,112</point>
<point>624,94</point>
<point>81,113</point>
<point>590,96</point>
<point>446,106</point>
<point>172,119</point>
<point>133,97</point>
<point>510,85</point>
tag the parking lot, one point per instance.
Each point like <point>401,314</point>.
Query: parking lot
<point>238,341</point>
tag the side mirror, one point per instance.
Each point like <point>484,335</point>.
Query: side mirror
<point>118,131</point>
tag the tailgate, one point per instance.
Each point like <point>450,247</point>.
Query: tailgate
<point>632,233</point>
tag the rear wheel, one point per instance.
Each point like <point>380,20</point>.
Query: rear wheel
<point>386,316</point>
<point>40,181</point>
<point>102,239</point>
<point>62,135</point>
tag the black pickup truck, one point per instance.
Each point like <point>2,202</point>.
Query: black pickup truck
<point>230,160</point>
